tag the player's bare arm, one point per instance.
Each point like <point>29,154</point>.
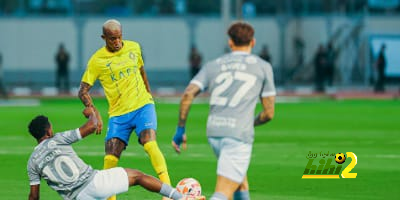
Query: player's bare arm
<point>87,101</point>
<point>145,80</point>
<point>34,194</point>
<point>180,136</point>
<point>188,96</point>
<point>91,125</point>
<point>268,111</point>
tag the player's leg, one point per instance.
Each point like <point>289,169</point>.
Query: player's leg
<point>233,161</point>
<point>117,180</point>
<point>116,140</point>
<point>152,184</point>
<point>224,188</point>
<point>113,148</point>
<point>148,139</point>
<point>242,193</point>
<point>146,126</point>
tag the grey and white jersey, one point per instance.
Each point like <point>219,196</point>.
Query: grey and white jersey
<point>55,160</point>
<point>235,81</point>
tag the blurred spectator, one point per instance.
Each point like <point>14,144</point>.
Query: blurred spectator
<point>264,54</point>
<point>195,61</point>
<point>3,91</point>
<point>36,5</point>
<point>180,7</point>
<point>380,67</point>
<point>331,55</point>
<point>248,9</point>
<point>319,64</point>
<point>299,45</point>
<point>117,8</point>
<point>62,75</point>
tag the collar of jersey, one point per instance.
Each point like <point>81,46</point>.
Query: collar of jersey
<point>240,53</point>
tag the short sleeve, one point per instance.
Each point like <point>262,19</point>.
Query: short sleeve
<point>34,176</point>
<point>68,137</point>
<point>268,84</point>
<point>90,75</point>
<point>201,78</point>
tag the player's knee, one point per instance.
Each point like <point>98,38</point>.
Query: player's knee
<point>115,146</point>
<point>244,186</point>
<point>147,136</point>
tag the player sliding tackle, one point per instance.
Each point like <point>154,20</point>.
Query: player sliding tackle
<point>55,160</point>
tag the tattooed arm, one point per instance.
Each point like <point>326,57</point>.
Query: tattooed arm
<point>87,101</point>
<point>186,101</point>
<point>179,138</point>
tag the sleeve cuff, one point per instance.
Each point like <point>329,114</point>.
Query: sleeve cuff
<point>34,183</point>
<point>78,134</point>
<point>198,83</point>
<point>268,94</point>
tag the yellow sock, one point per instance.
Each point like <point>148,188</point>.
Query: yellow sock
<point>158,161</point>
<point>110,161</point>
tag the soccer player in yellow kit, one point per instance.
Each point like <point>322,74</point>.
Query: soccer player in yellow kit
<point>120,69</point>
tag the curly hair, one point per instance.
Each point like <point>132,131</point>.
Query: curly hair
<point>241,33</point>
<point>38,126</point>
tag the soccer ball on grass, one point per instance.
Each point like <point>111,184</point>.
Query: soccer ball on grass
<point>189,187</point>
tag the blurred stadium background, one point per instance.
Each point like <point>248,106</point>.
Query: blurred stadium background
<point>166,29</point>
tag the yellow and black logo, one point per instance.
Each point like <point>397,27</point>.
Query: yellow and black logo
<point>327,168</point>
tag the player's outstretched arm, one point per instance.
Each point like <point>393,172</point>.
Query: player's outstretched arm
<point>34,194</point>
<point>91,125</point>
<point>268,111</point>
<point>179,138</point>
<point>87,101</point>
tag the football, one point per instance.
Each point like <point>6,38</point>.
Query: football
<point>189,187</point>
<point>340,158</point>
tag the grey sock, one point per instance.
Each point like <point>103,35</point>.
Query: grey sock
<point>241,195</point>
<point>218,196</point>
<point>170,192</point>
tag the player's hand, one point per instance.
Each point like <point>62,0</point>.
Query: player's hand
<point>99,121</point>
<point>179,139</point>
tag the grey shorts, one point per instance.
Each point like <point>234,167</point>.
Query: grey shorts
<point>233,157</point>
<point>105,184</point>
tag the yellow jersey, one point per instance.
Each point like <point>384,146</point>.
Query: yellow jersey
<point>119,74</point>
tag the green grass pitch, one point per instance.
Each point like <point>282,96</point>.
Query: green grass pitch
<point>369,128</point>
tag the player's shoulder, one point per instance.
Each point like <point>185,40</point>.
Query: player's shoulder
<point>257,60</point>
<point>132,44</point>
<point>101,52</point>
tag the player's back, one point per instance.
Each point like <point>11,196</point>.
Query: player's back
<point>235,81</point>
<point>56,162</point>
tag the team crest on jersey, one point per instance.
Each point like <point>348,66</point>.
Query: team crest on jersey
<point>132,56</point>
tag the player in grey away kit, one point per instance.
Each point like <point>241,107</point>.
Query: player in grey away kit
<point>55,160</point>
<point>236,81</point>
